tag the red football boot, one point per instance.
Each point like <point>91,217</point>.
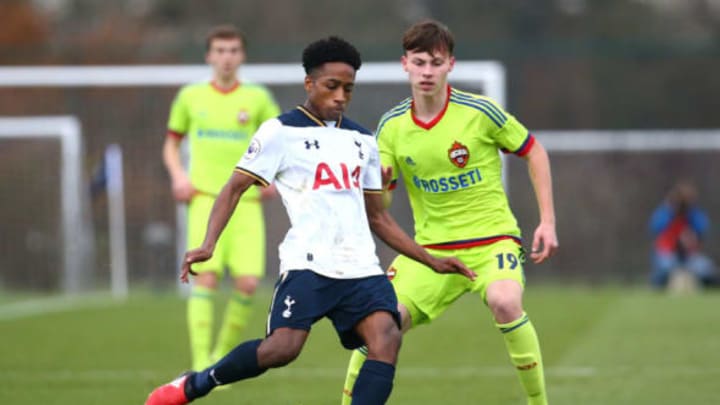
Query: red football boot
<point>172,393</point>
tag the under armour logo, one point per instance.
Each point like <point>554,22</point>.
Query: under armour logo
<point>409,161</point>
<point>359,145</point>
<point>314,143</point>
<point>287,313</point>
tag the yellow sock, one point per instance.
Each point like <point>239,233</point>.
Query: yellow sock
<point>356,361</point>
<point>524,348</point>
<point>237,314</point>
<point>200,325</point>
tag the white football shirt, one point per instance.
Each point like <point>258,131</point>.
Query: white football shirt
<point>321,172</point>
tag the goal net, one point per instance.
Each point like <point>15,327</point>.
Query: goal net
<point>128,106</point>
<point>606,182</point>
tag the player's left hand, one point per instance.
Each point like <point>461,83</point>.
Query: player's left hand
<point>545,243</point>
<point>450,265</point>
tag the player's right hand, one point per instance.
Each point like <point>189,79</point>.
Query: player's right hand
<point>450,265</point>
<point>183,190</point>
<point>545,243</point>
<point>193,256</point>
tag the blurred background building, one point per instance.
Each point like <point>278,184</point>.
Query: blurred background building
<point>571,64</point>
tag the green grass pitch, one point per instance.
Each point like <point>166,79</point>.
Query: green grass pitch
<point>605,346</point>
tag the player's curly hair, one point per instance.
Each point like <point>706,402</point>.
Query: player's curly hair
<point>331,49</point>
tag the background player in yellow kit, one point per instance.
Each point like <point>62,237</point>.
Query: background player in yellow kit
<point>445,144</point>
<point>218,118</point>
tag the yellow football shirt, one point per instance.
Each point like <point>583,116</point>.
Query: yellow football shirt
<point>219,125</point>
<point>452,168</point>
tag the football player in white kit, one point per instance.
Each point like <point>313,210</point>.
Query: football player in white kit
<point>327,170</point>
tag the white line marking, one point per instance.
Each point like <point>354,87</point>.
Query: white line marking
<point>304,373</point>
<point>290,372</point>
<point>42,306</point>
<point>439,372</point>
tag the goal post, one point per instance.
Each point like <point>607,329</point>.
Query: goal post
<point>656,140</point>
<point>491,74</point>
<point>77,241</point>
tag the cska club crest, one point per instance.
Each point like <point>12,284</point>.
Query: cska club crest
<point>459,154</point>
<point>243,117</point>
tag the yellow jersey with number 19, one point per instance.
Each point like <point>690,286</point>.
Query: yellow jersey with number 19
<point>452,168</point>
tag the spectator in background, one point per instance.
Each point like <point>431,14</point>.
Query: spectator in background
<point>678,227</point>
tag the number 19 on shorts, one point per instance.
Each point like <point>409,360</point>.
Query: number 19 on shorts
<point>507,260</point>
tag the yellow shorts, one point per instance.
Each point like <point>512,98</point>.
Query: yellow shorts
<point>241,247</point>
<point>427,294</point>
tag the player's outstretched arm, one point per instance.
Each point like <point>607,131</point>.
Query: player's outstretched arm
<point>545,242</point>
<point>222,210</point>
<point>385,227</point>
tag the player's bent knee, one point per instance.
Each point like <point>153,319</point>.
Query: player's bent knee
<point>246,284</point>
<point>386,346</point>
<point>406,317</point>
<point>505,309</point>
<point>277,355</point>
<point>207,280</point>
<point>285,356</point>
<point>394,341</point>
<point>281,348</point>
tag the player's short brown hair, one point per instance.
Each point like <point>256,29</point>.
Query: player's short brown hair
<point>225,31</point>
<point>428,36</point>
